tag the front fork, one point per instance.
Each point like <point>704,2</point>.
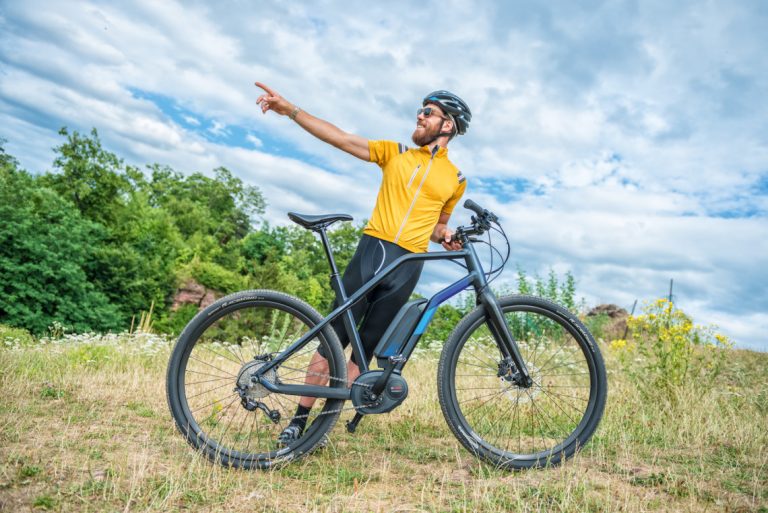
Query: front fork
<point>506,342</point>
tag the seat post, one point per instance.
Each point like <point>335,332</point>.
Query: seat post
<point>336,284</point>
<point>328,251</point>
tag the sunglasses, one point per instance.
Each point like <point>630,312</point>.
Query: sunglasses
<point>429,111</point>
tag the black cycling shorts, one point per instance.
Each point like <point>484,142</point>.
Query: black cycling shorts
<point>374,313</point>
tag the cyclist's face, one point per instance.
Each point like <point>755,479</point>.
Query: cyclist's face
<point>428,126</point>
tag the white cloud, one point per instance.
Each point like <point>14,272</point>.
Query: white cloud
<point>191,120</point>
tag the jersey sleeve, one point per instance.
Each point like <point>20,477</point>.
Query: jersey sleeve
<point>451,203</point>
<point>382,151</point>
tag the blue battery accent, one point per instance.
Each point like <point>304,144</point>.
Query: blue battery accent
<point>438,299</point>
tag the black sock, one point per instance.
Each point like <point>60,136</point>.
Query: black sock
<point>300,417</point>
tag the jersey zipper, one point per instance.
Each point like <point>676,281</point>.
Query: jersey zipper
<point>415,171</point>
<point>416,195</point>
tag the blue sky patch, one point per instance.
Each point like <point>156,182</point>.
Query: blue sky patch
<point>214,131</point>
<point>506,189</point>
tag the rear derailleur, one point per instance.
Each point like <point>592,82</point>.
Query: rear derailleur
<point>251,404</point>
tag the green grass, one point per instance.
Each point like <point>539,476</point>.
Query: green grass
<point>84,426</point>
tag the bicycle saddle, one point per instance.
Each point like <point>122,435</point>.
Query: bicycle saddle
<point>317,222</point>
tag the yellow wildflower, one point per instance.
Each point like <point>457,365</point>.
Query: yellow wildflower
<point>618,344</point>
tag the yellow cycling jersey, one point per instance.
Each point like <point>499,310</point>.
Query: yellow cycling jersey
<point>416,187</point>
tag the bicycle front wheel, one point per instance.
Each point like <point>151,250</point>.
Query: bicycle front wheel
<point>212,394</point>
<point>514,427</point>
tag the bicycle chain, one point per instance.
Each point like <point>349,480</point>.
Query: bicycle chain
<point>339,410</point>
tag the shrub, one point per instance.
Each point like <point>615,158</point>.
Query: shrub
<point>11,336</point>
<point>212,276</point>
<point>174,322</point>
<point>670,348</point>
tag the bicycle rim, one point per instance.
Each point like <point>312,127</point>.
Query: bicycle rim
<point>517,427</point>
<point>219,357</point>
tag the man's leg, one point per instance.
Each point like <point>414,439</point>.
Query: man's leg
<point>386,302</point>
<point>318,373</point>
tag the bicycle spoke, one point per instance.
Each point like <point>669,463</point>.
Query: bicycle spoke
<point>212,375</point>
<point>213,367</point>
<point>208,348</point>
<point>490,364</point>
<point>480,366</point>
<point>216,401</point>
<point>229,424</point>
<point>207,391</point>
<point>206,381</point>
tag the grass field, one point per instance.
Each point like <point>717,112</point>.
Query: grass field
<point>84,426</point>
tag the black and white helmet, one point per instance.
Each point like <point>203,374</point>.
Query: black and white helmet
<point>453,105</point>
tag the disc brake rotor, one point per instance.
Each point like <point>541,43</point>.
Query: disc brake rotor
<point>518,394</point>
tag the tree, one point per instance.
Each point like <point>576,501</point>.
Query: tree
<point>134,263</point>
<point>90,177</point>
<point>45,246</point>
<point>221,207</point>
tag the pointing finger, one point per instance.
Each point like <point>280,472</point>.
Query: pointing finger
<point>267,89</point>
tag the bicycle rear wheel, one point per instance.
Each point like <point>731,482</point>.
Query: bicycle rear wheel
<point>218,407</point>
<point>514,427</point>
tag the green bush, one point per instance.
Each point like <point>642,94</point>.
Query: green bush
<point>667,348</point>
<point>46,249</point>
<point>15,336</point>
<point>212,276</point>
<point>174,322</point>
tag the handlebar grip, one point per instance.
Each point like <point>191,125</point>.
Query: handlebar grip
<point>474,207</point>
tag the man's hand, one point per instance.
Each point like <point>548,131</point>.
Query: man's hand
<point>273,101</point>
<point>449,242</point>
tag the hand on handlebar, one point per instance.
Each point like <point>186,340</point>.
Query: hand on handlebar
<point>449,242</point>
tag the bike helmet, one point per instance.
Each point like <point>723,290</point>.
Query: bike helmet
<point>453,105</point>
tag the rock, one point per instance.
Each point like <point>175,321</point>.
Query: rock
<point>192,293</point>
<point>612,311</point>
<point>616,324</point>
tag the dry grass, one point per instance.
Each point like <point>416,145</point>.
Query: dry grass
<point>84,427</point>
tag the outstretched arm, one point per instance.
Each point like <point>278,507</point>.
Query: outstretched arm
<point>323,130</point>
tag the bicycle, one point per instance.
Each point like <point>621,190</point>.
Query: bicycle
<point>521,381</point>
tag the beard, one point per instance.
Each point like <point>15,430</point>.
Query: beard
<point>425,136</point>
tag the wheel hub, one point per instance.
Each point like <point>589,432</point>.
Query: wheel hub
<point>515,392</point>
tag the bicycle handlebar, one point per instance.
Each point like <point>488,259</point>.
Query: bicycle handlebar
<point>474,207</point>
<point>480,223</point>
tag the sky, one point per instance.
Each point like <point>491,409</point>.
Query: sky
<point>625,142</point>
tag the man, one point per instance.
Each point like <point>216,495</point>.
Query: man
<point>419,189</point>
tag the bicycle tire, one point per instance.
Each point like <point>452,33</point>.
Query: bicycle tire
<point>219,349</point>
<point>512,427</point>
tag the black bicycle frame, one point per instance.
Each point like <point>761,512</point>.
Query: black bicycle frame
<point>475,278</point>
